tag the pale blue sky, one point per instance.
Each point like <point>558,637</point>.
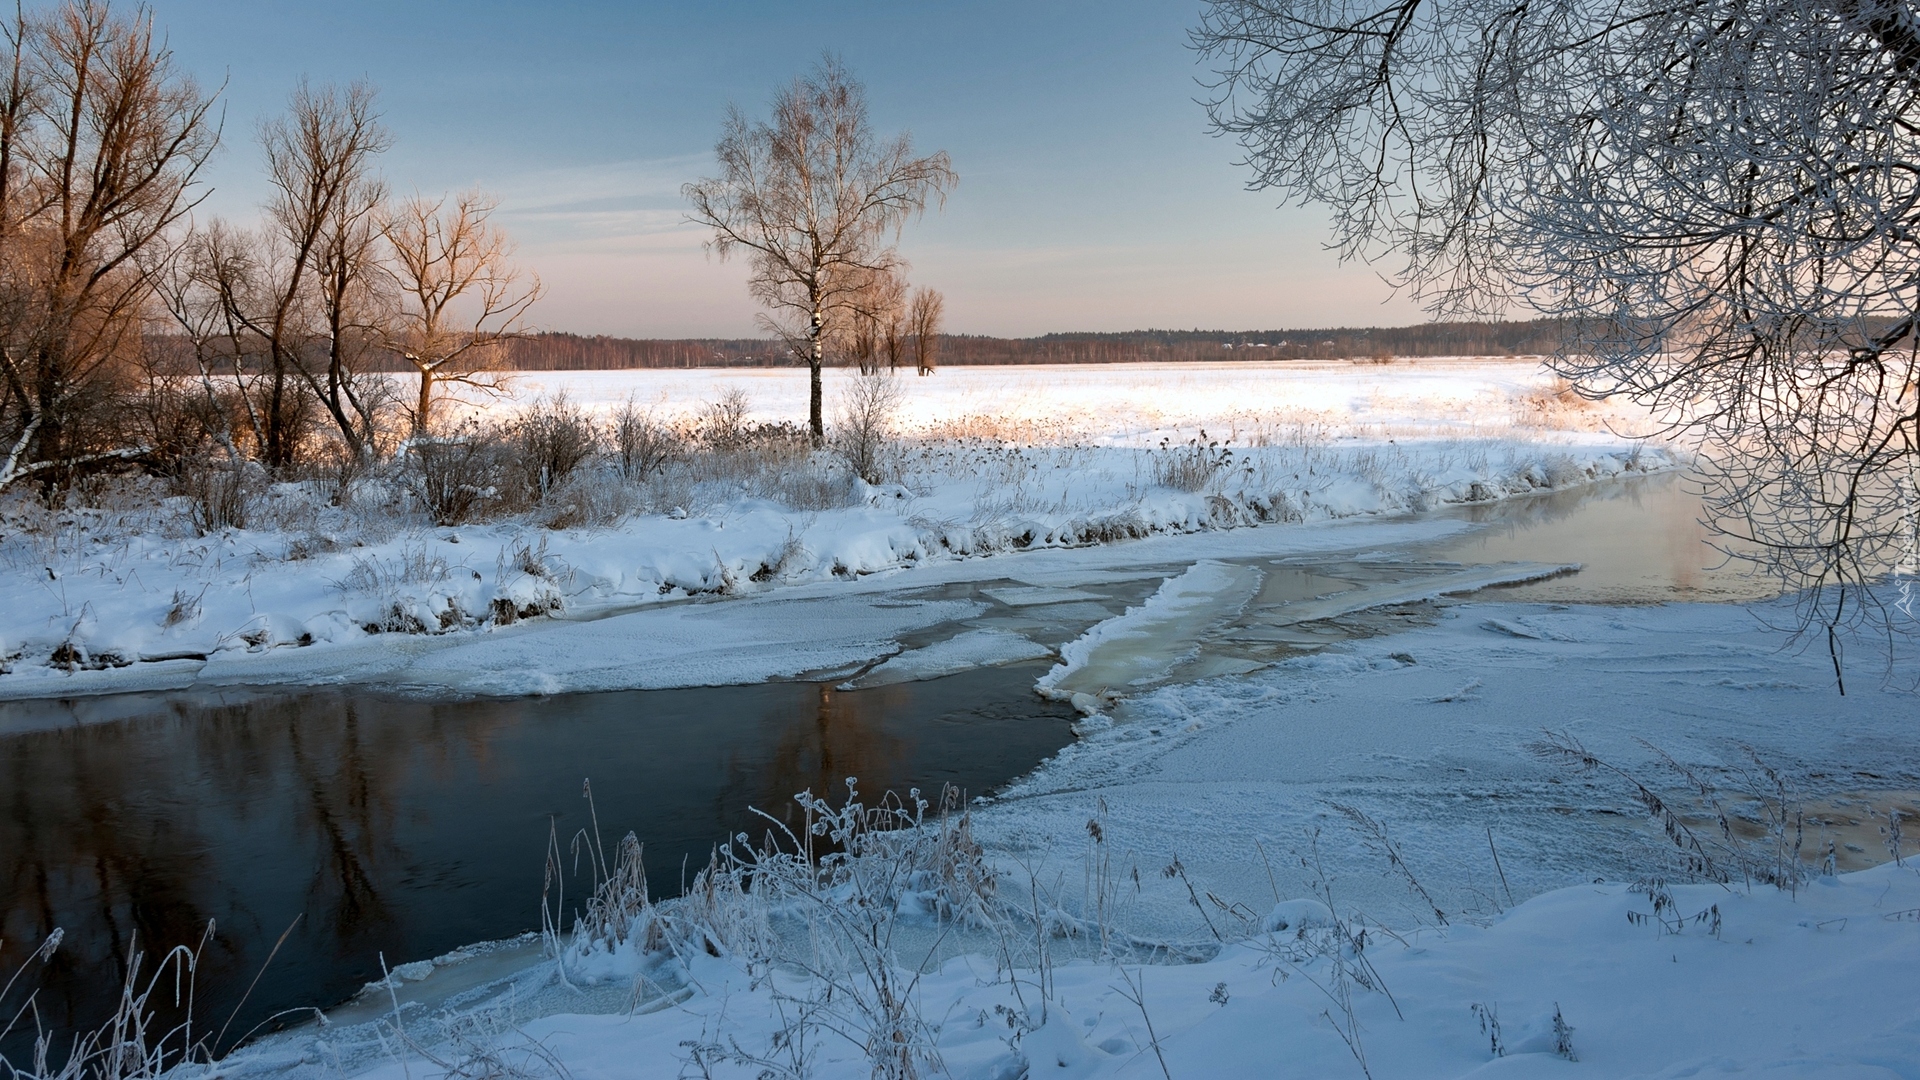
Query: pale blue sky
<point>1091,197</point>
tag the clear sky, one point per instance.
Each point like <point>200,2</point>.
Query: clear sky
<point>1091,196</point>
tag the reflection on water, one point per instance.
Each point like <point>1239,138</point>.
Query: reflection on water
<point>1639,541</point>
<point>409,828</point>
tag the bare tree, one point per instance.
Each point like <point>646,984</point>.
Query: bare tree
<point>817,203</point>
<point>461,299</point>
<point>288,312</point>
<point>923,329</point>
<point>101,146</point>
<point>319,161</point>
<point>204,286</point>
<point>873,334</point>
<point>1718,198</point>
<point>865,422</point>
<point>354,305</point>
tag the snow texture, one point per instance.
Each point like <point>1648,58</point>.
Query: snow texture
<point>1766,984</point>
<point>1219,814</point>
<point>1234,781</point>
<point>1144,645</point>
<point>1235,776</point>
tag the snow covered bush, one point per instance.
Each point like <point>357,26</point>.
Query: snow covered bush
<point>1192,466</point>
<point>219,494</point>
<point>548,441</point>
<point>642,444</point>
<point>864,432</point>
<point>412,592</point>
<point>455,477</point>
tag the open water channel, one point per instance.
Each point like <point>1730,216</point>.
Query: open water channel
<point>361,825</point>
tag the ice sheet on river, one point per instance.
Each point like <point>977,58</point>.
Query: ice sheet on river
<point>1205,770</point>
<point>835,626</point>
<point>1144,645</point>
<point>963,652</point>
<point>1149,643</point>
<point>1459,583</point>
<point>709,644</point>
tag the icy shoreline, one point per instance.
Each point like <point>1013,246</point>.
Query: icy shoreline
<point>132,594</point>
<point>1763,982</point>
<point>1241,798</point>
<point>143,611</point>
<point>1232,779</point>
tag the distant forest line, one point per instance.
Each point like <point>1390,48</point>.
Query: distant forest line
<point>576,352</point>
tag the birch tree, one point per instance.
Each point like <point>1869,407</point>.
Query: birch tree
<point>817,203</point>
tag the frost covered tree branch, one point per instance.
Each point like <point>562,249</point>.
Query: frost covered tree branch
<point>1720,199</point>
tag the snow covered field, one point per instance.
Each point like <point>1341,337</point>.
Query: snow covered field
<point>1814,985</point>
<point>1301,832</point>
<point>1126,404</point>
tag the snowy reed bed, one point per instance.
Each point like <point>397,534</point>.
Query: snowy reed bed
<point>881,939</point>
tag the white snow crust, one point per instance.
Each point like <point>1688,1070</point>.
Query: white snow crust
<point>1234,779</point>
<point>1808,986</point>
<point>964,651</point>
<point>1145,644</point>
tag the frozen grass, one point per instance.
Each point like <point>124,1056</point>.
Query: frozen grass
<point>131,1044</point>
<point>825,982</point>
<point>882,941</point>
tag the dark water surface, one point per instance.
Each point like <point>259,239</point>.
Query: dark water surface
<point>410,828</point>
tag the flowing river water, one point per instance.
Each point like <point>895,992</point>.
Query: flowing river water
<point>331,829</point>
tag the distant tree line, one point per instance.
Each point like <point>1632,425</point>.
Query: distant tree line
<point>575,352</point>
<point>598,352</point>
<point>1345,343</point>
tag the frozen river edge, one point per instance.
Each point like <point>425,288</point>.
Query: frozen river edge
<point>1233,778</point>
<point>1423,730</point>
<point>729,630</point>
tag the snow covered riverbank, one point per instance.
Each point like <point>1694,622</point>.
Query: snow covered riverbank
<point>1207,817</point>
<point>1814,985</point>
<point>131,595</point>
<point>1302,831</point>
